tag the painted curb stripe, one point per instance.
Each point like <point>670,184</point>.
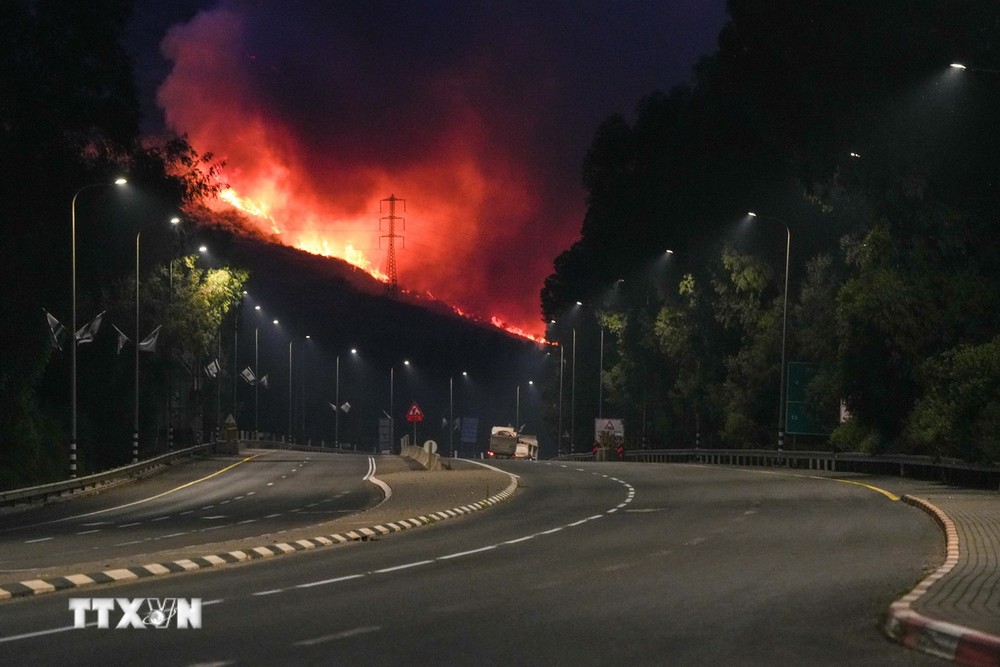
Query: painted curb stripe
<point>940,638</point>
<point>40,586</point>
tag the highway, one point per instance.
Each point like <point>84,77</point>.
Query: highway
<point>201,501</point>
<point>588,564</point>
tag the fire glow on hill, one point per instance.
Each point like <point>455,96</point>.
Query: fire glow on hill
<point>310,151</point>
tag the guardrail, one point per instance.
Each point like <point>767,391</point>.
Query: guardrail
<point>921,467</point>
<point>44,492</point>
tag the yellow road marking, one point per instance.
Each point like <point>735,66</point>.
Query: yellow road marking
<point>169,491</point>
<point>887,494</point>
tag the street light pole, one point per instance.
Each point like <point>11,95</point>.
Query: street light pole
<point>600,379</point>
<point>290,390</point>
<point>392,380</point>
<point>572,403</point>
<point>336,408</point>
<point>256,381</point>
<point>517,408</point>
<point>562,365</point>
<point>135,417</point>
<point>784,330</point>
<point>72,331</point>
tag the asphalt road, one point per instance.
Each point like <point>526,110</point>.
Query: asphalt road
<point>194,502</point>
<point>589,564</point>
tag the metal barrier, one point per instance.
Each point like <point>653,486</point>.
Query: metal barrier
<point>43,492</point>
<point>922,467</point>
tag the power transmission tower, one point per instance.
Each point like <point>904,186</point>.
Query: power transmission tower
<point>392,286</point>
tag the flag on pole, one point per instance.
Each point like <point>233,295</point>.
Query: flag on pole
<point>444,422</point>
<point>248,375</point>
<point>148,343</point>
<point>458,424</point>
<point>263,381</point>
<point>212,370</point>
<point>122,339</point>
<point>346,407</point>
<point>88,331</point>
<point>57,332</point>
<point>332,406</point>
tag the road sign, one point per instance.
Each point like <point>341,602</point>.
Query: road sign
<point>615,428</point>
<point>798,421</point>
<point>415,414</point>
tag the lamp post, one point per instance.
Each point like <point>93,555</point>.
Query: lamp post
<point>784,329</point>
<point>392,418</point>
<point>562,367</point>
<point>135,416</point>
<point>517,406</point>
<point>256,381</point>
<point>290,389</point>
<point>451,414</point>
<point>72,331</point>
<point>600,379</point>
<point>572,402</point>
<point>257,376</point>
<point>336,398</point>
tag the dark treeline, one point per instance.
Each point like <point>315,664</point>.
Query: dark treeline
<point>842,123</point>
<point>69,124</point>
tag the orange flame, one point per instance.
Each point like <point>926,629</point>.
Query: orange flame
<point>471,232</point>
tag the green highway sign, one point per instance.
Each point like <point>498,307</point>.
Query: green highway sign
<point>797,420</point>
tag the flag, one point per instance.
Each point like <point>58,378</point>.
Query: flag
<point>122,339</point>
<point>263,381</point>
<point>458,424</point>
<point>88,331</point>
<point>148,343</point>
<point>212,370</point>
<point>57,332</point>
<point>346,407</point>
<point>332,406</point>
<point>247,375</point>
<point>444,422</point>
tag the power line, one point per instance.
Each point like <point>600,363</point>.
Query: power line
<point>392,286</point>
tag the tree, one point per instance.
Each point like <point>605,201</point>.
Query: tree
<point>958,412</point>
<point>189,303</point>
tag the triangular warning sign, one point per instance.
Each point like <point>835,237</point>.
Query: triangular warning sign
<point>609,426</point>
<point>415,414</point>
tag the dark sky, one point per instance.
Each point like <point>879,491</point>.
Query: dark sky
<point>477,114</point>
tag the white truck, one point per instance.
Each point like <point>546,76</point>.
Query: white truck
<point>507,443</point>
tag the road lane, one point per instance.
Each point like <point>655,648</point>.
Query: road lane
<point>702,566</point>
<point>202,501</point>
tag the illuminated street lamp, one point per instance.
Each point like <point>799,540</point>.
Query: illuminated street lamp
<point>72,331</point>
<point>451,414</point>
<point>290,422</point>
<point>256,382</point>
<point>961,67</point>
<point>392,416</point>
<point>784,329</point>
<point>135,418</point>
<point>336,398</point>
<point>517,406</point>
<point>573,390</point>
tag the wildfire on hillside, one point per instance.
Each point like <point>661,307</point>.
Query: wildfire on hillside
<point>310,153</point>
<point>314,242</point>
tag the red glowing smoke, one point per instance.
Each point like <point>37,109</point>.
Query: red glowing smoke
<point>315,130</point>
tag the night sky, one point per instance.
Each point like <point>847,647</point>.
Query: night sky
<point>479,115</point>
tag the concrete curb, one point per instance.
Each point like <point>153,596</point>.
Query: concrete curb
<point>940,638</point>
<point>40,586</point>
